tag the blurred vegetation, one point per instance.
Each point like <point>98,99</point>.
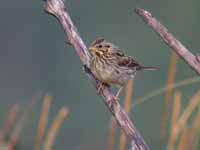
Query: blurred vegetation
<point>10,134</point>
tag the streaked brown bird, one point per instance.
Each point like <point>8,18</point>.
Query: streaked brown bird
<point>111,66</point>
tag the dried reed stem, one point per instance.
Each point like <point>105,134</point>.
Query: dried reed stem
<point>168,94</point>
<point>159,91</point>
<point>57,9</point>
<point>111,135</point>
<point>55,126</point>
<point>183,119</point>
<point>176,108</point>
<point>192,60</point>
<point>187,139</point>
<point>21,122</point>
<point>196,127</point>
<point>178,127</point>
<point>10,120</point>
<point>43,121</point>
<point>175,117</point>
<point>128,96</point>
<point>193,103</point>
<point>196,121</point>
<point>127,108</point>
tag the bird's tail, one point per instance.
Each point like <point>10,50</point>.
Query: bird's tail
<point>147,68</point>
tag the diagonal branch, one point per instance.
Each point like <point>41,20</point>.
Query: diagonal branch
<point>192,60</point>
<point>57,8</point>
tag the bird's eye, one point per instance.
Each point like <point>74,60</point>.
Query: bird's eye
<point>100,46</point>
<point>108,46</point>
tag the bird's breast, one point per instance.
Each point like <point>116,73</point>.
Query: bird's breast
<point>106,73</point>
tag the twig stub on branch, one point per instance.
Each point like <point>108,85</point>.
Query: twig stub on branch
<point>170,40</point>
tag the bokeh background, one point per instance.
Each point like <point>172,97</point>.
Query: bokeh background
<point>34,57</point>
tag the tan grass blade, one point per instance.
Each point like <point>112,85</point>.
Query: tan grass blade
<point>21,123</point>
<point>176,108</point>
<point>187,140</point>
<point>175,116</point>
<point>128,96</point>
<point>159,91</point>
<point>10,120</point>
<point>111,135</point>
<point>43,121</point>
<point>181,123</point>
<point>168,94</point>
<point>193,103</point>
<point>196,121</point>
<point>196,127</point>
<point>55,126</point>
<point>127,108</point>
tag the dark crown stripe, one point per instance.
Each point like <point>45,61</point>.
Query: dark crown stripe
<point>98,41</point>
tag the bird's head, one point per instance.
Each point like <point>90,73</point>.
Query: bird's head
<point>100,47</point>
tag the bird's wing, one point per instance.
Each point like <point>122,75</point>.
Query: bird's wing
<point>125,61</point>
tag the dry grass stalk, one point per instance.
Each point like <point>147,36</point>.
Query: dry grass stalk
<point>122,142</point>
<point>175,117</point>
<point>111,135</point>
<point>193,103</point>
<point>127,108</point>
<point>180,125</point>
<point>11,118</point>
<point>20,124</point>
<point>196,128</point>
<point>187,139</point>
<point>43,121</point>
<point>128,96</point>
<point>55,126</point>
<point>168,94</point>
<point>159,91</point>
<point>196,121</point>
<point>176,108</point>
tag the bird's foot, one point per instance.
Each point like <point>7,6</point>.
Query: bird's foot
<point>112,101</point>
<point>100,87</point>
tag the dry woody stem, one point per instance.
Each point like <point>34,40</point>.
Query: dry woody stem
<point>43,121</point>
<point>10,121</point>
<point>191,59</point>
<point>179,122</point>
<point>127,108</point>
<point>174,121</point>
<point>57,8</point>
<point>168,93</point>
<point>53,131</point>
<point>112,135</point>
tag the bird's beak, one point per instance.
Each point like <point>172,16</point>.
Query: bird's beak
<point>92,49</point>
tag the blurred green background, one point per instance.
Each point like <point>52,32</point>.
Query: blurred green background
<point>34,57</point>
